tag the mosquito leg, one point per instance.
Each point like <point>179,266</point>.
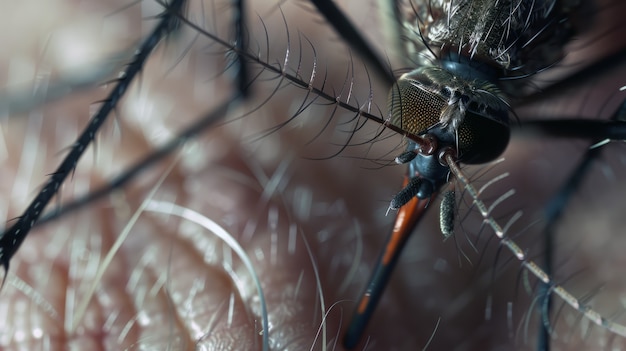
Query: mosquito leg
<point>12,238</point>
<point>240,64</point>
<point>553,212</point>
<point>554,288</point>
<point>349,33</point>
<point>600,68</point>
<point>574,128</point>
<point>202,124</point>
<point>241,44</point>
<point>23,101</point>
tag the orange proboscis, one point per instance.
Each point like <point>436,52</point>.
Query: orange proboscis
<point>365,300</point>
<point>407,216</point>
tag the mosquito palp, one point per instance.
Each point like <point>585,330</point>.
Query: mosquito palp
<point>447,213</point>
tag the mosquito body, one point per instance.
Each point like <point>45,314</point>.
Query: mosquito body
<point>466,66</point>
<point>474,55</point>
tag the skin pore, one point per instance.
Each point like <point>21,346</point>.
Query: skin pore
<point>308,225</point>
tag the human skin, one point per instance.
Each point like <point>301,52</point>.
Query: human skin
<point>172,284</point>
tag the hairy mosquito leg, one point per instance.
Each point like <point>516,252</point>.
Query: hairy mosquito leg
<point>529,265</point>
<point>242,59</point>
<point>242,78</point>
<point>552,213</point>
<point>348,32</point>
<point>202,124</point>
<point>25,101</point>
<point>599,68</point>
<point>241,44</point>
<point>11,239</point>
<point>574,128</point>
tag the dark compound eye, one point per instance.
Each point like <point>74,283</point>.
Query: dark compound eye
<point>482,138</point>
<point>468,115</point>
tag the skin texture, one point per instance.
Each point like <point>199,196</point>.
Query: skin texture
<point>173,285</point>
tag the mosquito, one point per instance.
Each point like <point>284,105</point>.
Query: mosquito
<point>242,70</point>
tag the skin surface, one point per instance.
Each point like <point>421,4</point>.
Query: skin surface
<point>318,225</point>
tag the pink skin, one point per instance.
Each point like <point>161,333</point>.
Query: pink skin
<point>171,283</point>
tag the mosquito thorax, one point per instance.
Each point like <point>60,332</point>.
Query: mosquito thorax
<point>469,115</point>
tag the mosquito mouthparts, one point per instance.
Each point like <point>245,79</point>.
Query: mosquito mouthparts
<point>447,211</point>
<point>405,157</point>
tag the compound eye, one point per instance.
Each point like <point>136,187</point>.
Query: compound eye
<point>468,114</point>
<point>412,108</point>
<point>481,138</point>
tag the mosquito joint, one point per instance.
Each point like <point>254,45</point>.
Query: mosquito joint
<point>427,145</point>
<point>446,156</point>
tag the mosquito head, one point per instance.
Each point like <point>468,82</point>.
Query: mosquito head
<point>469,115</point>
